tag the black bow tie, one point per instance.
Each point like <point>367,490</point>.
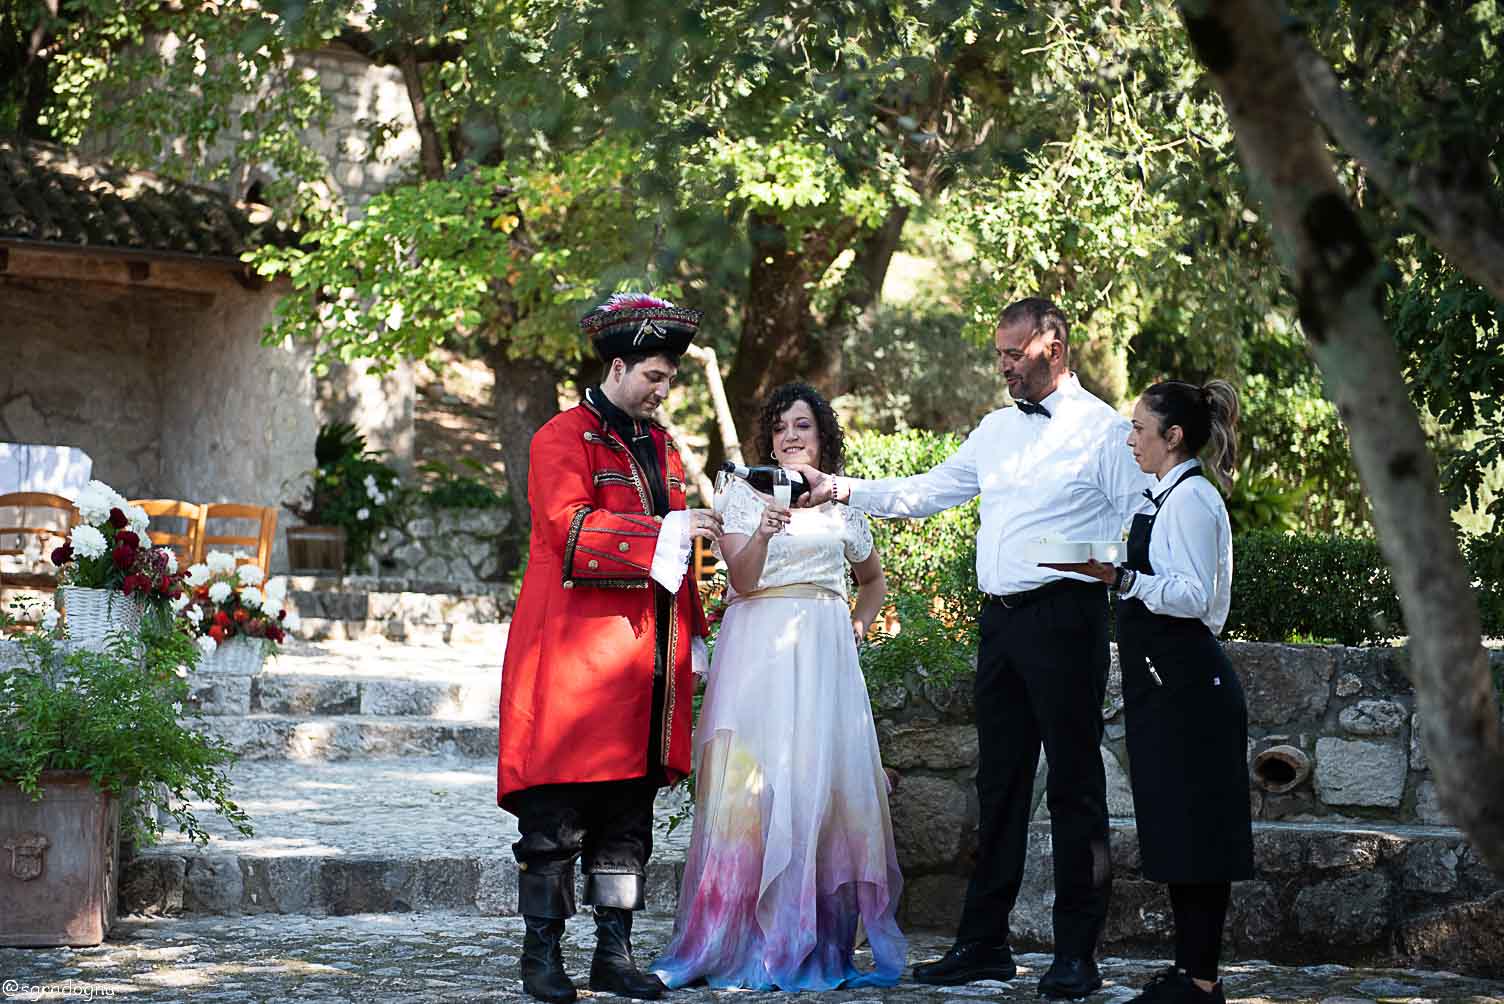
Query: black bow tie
<point>1029,408</point>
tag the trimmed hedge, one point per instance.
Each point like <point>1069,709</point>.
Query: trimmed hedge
<point>1286,587</point>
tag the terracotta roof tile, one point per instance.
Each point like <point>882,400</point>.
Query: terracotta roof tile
<point>49,194</point>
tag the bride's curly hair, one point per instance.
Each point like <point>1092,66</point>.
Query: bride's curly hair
<point>832,452</point>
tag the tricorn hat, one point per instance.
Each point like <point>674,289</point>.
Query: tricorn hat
<point>636,322</point>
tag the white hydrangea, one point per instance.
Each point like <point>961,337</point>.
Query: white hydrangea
<point>363,514</point>
<point>87,542</point>
<point>220,591</point>
<point>137,519</point>
<point>251,597</point>
<point>276,592</point>
<point>179,602</point>
<point>219,561</point>
<point>198,575</point>
<point>172,560</point>
<point>96,501</point>
<point>250,575</point>
<point>206,645</point>
<point>195,614</point>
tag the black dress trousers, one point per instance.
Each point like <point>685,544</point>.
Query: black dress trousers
<point>1041,679</point>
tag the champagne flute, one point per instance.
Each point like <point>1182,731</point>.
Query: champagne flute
<point>722,482</point>
<point>783,491</point>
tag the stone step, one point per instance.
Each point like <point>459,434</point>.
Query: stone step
<point>474,700</point>
<point>342,737</point>
<point>408,833</point>
<point>493,635</point>
<point>419,833</point>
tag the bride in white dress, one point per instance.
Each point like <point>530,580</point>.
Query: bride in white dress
<point>792,841</point>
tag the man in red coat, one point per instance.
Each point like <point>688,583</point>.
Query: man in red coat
<point>597,684</point>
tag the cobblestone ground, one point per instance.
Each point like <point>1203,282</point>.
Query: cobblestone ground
<point>449,957</point>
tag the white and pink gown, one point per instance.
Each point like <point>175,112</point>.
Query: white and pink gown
<point>792,841</point>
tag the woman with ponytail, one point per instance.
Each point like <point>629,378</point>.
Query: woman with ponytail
<point>1187,722</point>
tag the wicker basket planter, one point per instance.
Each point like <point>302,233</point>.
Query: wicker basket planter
<point>238,656</point>
<point>92,615</point>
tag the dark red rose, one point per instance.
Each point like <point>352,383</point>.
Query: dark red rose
<point>281,615</point>
<point>134,583</point>
<point>124,556</point>
<point>217,633</point>
<point>255,628</point>
<point>221,619</point>
<point>127,537</point>
<point>275,633</point>
<point>62,555</point>
<point>118,520</point>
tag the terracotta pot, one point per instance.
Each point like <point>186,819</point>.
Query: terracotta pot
<point>58,862</point>
<point>316,550</point>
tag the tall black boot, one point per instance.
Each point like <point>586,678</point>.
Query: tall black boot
<point>543,974</point>
<point>544,899</point>
<point>613,969</point>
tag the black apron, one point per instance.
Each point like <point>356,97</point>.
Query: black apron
<point>1187,726</point>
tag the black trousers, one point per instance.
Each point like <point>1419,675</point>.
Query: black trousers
<point>608,824</point>
<point>1200,911</point>
<point>1041,679</point>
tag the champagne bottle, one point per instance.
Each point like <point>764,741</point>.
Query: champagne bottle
<point>764,479</point>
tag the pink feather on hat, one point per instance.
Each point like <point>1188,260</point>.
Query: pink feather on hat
<point>633,301</point>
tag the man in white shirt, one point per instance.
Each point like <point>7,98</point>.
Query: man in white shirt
<point>1057,466</point>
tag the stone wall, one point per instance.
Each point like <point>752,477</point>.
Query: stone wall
<point>79,370</point>
<point>1355,857</point>
<point>171,394</point>
<point>444,545</point>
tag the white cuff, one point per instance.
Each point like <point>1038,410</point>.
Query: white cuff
<point>699,656</point>
<point>671,556</point>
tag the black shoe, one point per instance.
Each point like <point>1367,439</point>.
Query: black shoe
<point>613,970</point>
<point>967,962</point>
<point>1175,986</point>
<point>543,974</point>
<point>1070,977</point>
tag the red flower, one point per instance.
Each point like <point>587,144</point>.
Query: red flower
<point>127,537</point>
<point>62,555</point>
<point>201,593</point>
<point>275,633</point>
<point>124,555</point>
<point>256,628</point>
<point>134,582</point>
<point>241,615</point>
<point>221,619</point>
<point>217,633</point>
<point>281,615</point>
<point>164,586</point>
<point>118,520</point>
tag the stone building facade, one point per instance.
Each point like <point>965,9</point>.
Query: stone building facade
<point>1356,858</point>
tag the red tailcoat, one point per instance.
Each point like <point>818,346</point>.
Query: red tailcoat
<point>577,679</point>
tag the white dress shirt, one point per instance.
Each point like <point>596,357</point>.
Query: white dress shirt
<point>1070,476</point>
<point>1190,551</point>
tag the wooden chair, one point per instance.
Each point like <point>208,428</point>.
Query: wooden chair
<point>259,544</point>
<point>184,544</point>
<point>32,524</point>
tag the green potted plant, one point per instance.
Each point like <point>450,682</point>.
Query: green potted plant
<point>347,498</point>
<point>80,727</point>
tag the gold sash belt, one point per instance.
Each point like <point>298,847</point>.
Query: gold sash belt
<point>799,590</point>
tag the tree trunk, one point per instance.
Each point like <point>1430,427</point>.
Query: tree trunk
<point>778,341</point>
<point>526,394</point>
<point>1339,289</point>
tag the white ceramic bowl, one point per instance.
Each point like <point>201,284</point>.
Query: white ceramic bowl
<point>1059,551</point>
<point>1109,551</point>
